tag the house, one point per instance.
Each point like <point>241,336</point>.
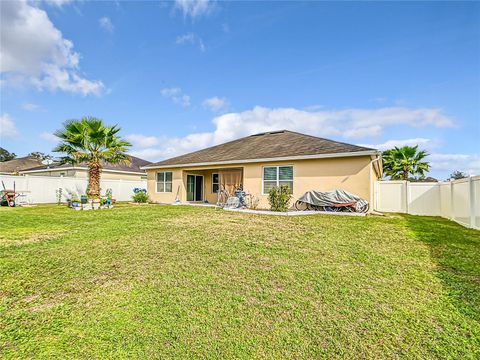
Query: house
<point>128,171</point>
<point>259,162</point>
<point>14,166</point>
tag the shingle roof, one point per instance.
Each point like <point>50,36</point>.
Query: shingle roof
<point>269,145</point>
<point>16,165</point>
<point>134,166</point>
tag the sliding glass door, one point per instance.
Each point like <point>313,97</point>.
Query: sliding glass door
<point>194,188</point>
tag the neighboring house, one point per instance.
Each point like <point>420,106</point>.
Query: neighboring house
<point>14,166</point>
<point>129,171</point>
<point>259,162</point>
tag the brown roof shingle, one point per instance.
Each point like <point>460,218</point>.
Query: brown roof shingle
<point>134,166</point>
<point>275,144</point>
<point>19,164</point>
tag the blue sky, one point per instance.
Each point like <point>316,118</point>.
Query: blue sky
<point>179,76</point>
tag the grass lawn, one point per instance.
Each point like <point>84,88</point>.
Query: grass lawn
<point>192,282</point>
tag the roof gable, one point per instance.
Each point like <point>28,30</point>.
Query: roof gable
<point>269,145</point>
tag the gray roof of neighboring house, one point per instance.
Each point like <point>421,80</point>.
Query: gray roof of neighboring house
<point>268,145</point>
<point>134,165</point>
<point>19,164</point>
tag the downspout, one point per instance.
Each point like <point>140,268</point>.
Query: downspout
<point>372,184</point>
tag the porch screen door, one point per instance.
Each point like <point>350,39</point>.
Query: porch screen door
<point>230,180</point>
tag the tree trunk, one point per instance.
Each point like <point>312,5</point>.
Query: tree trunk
<point>94,173</point>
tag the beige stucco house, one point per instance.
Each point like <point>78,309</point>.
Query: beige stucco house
<point>124,171</point>
<point>260,161</point>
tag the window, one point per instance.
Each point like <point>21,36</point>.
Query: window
<point>215,183</point>
<point>164,182</point>
<point>277,176</point>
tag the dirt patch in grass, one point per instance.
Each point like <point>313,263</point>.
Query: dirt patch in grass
<point>30,237</point>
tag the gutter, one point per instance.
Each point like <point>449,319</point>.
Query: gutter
<point>286,158</point>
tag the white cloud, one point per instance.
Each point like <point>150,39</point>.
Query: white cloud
<point>142,141</point>
<point>469,163</point>
<point>336,123</point>
<point>390,144</point>
<point>186,38</point>
<point>58,3</point>
<point>34,51</point>
<point>441,164</point>
<point>106,24</point>
<point>191,38</point>
<point>7,127</point>
<point>48,137</point>
<point>174,146</point>
<point>177,96</point>
<point>194,8</point>
<point>215,103</point>
<point>31,107</point>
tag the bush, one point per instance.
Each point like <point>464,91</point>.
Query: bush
<point>279,198</point>
<point>140,197</point>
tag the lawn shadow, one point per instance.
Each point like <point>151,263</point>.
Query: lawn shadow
<point>456,251</point>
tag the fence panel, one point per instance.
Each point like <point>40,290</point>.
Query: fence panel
<point>423,199</point>
<point>457,200</point>
<point>461,202</point>
<point>445,199</point>
<point>390,196</point>
<point>42,189</point>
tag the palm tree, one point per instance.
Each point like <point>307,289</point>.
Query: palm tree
<point>89,140</point>
<point>399,163</point>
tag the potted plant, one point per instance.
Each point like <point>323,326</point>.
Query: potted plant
<point>109,196</point>
<point>96,203</point>
<point>83,199</point>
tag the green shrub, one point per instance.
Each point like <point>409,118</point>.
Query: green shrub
<point>140,197</point>
<point>279,198</point>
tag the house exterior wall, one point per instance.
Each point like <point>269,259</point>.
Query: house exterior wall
<point>83,174</point>
<point>353,174</point>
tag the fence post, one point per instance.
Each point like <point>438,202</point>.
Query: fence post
<point>471,191</point>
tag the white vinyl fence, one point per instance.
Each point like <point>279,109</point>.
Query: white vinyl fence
<point>457,200</point>
<point>42,189</point>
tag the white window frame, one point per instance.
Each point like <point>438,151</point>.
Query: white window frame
<point>164,182</point>
<point>217,183</point>
<point>278,175</point>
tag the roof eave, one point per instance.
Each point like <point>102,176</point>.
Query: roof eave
<point>284,158</point>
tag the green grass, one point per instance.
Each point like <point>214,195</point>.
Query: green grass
<point>192,282</point>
